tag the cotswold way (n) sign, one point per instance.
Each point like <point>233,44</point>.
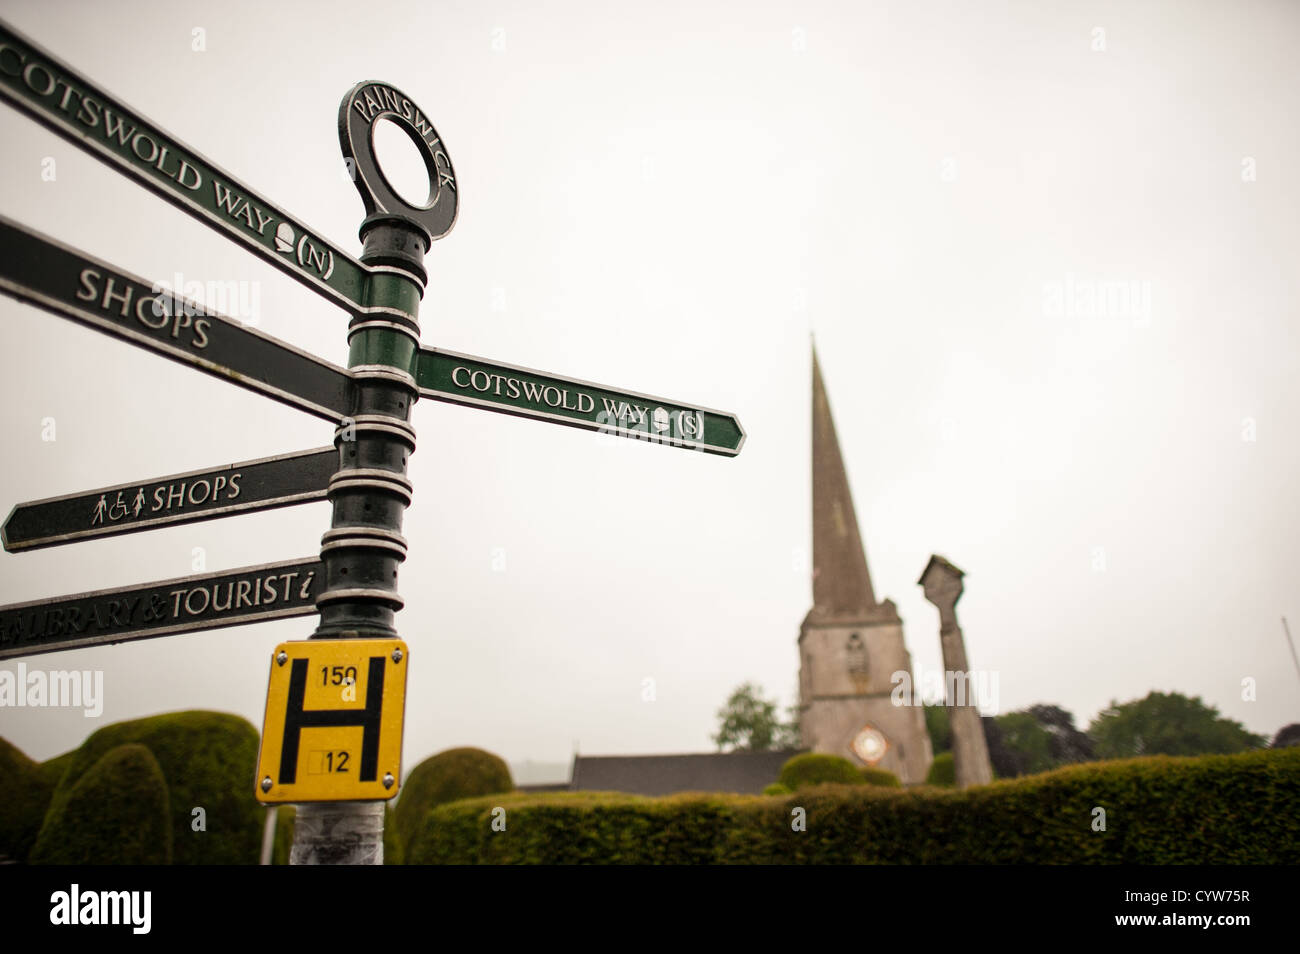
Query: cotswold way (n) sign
<point>57,96</point>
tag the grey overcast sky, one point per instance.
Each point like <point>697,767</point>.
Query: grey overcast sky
<point>670,198</point>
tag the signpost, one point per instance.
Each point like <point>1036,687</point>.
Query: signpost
<point>246,487</point>
<point>333,724</point>
<point>183,605</point>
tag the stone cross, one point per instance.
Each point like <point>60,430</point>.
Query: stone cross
<point>942,584</point>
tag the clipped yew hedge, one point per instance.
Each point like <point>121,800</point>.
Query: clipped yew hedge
<point>26,787</point>
<point>119,811</point>
<point>1216,809</point>
<point>943,771</point>
<point>285,816</point>
<point>446,777</point>
<point>816,768</point>
<point>882,777</point>
<point>206,759</point>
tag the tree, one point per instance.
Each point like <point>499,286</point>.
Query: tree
<point>1168,724</point>
<point>936,724</point>
<point>1006,762</point>
<point>1029,744</point>
<point>791,730</point>
<point>1068,744</point>
<point>1036,739</point>
<point>1287,736</point>
<point>749,723</point>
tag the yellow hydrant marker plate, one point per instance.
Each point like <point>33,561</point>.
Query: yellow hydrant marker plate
<point>333,724</point>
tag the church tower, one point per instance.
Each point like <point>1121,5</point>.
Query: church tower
<point>850,645</point>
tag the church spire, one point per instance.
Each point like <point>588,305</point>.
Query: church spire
<point>841,581</point>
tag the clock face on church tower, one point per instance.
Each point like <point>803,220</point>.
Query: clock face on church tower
<point>869,745</point>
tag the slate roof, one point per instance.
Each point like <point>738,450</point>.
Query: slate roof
<point>744,773</point>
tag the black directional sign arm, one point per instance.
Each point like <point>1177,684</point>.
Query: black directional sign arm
<point>183,605</point>
<point>56,95</point>
<point>69,283</point>
<point>245,487</point>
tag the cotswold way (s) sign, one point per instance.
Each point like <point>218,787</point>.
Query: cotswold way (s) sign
<point>509,389</point>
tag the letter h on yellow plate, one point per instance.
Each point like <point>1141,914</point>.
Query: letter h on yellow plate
<point>333,726</point>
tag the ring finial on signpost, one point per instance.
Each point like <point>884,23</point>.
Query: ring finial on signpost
<point>363,106</point>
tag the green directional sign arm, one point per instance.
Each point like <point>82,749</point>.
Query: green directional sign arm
<point>60,98</point>
<point>74,285</point>
<point>510,389</point>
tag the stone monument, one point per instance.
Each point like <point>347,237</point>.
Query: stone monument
<point>970,752</point>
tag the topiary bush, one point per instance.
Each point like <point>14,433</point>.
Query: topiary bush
<point>1216,809</point>
<point>943,771</point>
<point>570,828</point>
<point>446,777</point>
<point>285,815</point>
<point>26,787</point>
<point>882,777</point>
<point>50,773</point>
<point>814,768</point>
<point>776,788</point>
<point>208,760</point>
<point>117,812</point>
<point>393,847</point>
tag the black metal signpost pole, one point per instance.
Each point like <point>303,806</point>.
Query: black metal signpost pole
<point>370,492</point>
